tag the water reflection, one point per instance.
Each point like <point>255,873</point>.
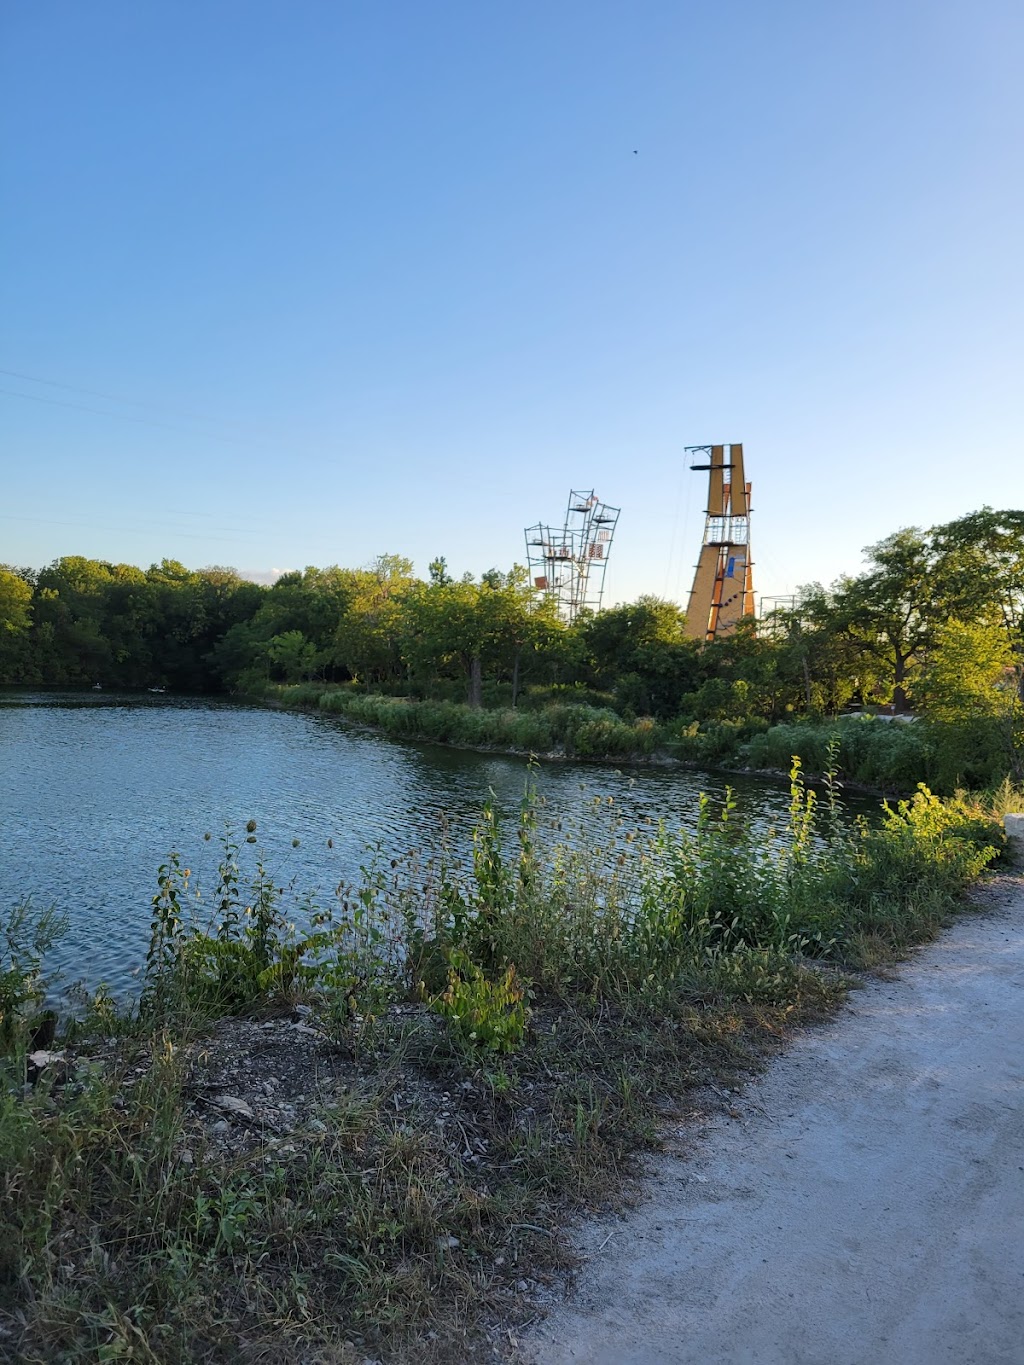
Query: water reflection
<point>97,789</point>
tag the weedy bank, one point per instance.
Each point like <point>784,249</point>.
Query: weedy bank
<point>975,752</point>
<point>328,1131</point>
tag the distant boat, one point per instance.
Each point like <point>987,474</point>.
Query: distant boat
<point>97,687</point>
<point>158,689</point>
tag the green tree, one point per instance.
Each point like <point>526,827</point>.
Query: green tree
<point>891,610</point>
<point>15,621</point>
<point>444,629</point>
<point>517,628</point>
<point>641,651</point>
<point>15,602</point>
<point>438,571</point>
<point>980,569</point>
<point>69,609</point>
<point>368,638</point>
<point>967,690</point>
<point>310,601</point>
<point>819,665</point>
<point>294,657</point>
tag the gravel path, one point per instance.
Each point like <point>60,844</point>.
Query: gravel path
<point>865,1208</point>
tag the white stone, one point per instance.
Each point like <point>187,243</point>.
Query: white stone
<point>232,1105</point>
<point>43,1058</point>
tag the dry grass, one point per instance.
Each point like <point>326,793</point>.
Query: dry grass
<point>415,1201</point>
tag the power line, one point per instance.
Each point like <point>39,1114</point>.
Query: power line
<point>163,522</point>
<point>108,397</point>
<point>135,530</point>
<point>127,417</point>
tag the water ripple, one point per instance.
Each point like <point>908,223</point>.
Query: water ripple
<point>96,791</point>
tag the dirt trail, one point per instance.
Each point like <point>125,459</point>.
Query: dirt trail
<point>866,1208</point>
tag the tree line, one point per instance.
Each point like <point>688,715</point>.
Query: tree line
<point>935,621</point>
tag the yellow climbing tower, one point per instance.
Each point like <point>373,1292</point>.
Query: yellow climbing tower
<point>723,586</point>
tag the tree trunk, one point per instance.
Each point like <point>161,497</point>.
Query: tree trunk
<point>899,695</point>
<point>476,682</point>
<point>515,681</point>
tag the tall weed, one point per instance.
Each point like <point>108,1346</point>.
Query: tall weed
<point>26,935</point>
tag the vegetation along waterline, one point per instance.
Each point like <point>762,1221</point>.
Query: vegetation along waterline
<point>364,1138</point>
<point>876,755</point>
<point>138,775</point>
<point>934,623</point>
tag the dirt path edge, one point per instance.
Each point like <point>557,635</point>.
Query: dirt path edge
<point>866,1204</point>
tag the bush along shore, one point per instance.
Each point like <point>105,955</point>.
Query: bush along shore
<point>333,1130</point>
<point>877,755</point>
<point>563,729</point>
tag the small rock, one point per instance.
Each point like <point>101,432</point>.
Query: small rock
<point>221,1126</point>
<point>43,1058</point>
<point>231,1104</point>
<point>448,1243</point>
<point>302,1011</point>
<point>186,1158</point>
<point>55,1064</point>
<point>317,1126</point>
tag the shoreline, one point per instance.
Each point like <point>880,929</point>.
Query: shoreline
<point>659,759</point>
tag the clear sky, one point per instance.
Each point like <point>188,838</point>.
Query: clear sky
<point>329,278</point>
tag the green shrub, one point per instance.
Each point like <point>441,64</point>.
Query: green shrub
<point>975,752</point>
<point>889,755</point>
<point>489,1015</point>
<point>584,731</point>
<point>711,741</point>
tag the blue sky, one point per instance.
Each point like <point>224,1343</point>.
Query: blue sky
<point>325,280</point>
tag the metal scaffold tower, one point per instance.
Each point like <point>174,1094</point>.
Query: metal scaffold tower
<point>569,562</point>
<point>723,586</point>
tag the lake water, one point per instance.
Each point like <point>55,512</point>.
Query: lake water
<point>96,789</point>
